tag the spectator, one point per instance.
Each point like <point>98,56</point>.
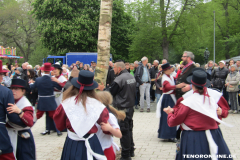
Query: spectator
<point>32,96</point>
<point>136,64</point>
<point>20,75</point>
<point>180,69</point>
<point>29,67</point>
<point>90,69</point>
<point>173,71</point>
<point>132,69</point>
<point>231,62</point>
<point>144,83</point>
<point>78,65</point>
<point>110,75</point>
<point>24,67</point>
<point>74,74</point>
<point>127,66</point>
<point>158,83</point>
<point>219,76</point>
<point>238,65</point>
<point>81,66</point>
<point>210,67</point>
<point>93,65</point>
<point>6,79</point>
<point>149,66</point>
<point>232,83</point>
<point>86,67</point>
<point>164,61</point>
<point>153,71</point>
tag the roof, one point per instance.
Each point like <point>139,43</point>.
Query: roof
<point>234,58</point>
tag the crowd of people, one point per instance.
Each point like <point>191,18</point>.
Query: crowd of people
<point>191,102</point>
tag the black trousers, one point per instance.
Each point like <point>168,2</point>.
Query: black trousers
<point>126,128</point>
<point>152,92</point>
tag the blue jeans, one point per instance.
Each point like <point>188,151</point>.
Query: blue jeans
<point>157,96</point>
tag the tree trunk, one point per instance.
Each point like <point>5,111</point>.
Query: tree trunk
<point>165,42</point>
<point>104,38</point>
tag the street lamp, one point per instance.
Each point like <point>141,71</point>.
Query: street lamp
<point>214,38</point>
<point>206,55</point>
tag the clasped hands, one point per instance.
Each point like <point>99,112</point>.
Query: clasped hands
<point>168,110</point>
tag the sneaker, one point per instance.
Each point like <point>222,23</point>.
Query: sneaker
<point>141,110</point>
<point>136,107</point>
<point>235,111</point>
<point>230,111</point>
<point>148,110</point>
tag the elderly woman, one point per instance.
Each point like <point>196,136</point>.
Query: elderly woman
<point>232,83</point>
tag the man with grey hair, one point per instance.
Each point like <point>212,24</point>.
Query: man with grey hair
<point>153,71</point>
<point>136,64</point>
<point>144,83</point>
<point>164,61</point>
<point>123,90</point>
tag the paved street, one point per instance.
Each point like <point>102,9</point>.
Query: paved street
<point>148,146</point>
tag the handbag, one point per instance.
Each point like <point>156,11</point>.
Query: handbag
<point>154,87</point>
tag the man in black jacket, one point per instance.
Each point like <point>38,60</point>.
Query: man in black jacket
<point>153,71</point>
<point>123,90</point>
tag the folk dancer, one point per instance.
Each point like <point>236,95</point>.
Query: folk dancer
<point>167,99</point>
<point>46,100</point>
<point>6,97</point>
<point>21,137</point>
<point>79,112</point>
<point>197,115</point>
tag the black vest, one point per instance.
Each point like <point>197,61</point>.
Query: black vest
<point>126,97</point>
<point>183,78</point>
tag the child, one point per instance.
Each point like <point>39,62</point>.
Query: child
<point>111,126</point>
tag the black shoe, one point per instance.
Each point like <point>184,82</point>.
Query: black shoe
<point>136,107</point>
<point>46,132</point>
<point>132,154</point>
<point>59,134</point>
<point>129,158</point>
<point>172,140</point>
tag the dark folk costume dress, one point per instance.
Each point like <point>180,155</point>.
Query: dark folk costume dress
<point>167,99</point>
<point>200,136</point>
<point>23,148</point>
<point>81,142</point>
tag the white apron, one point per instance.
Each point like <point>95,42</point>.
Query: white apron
<point>82,121</point>
<point>195,102</point>
<point>106,140</point>
<point>13,132</point>
<point>58,95</point>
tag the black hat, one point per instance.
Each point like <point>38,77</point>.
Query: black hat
<point>201,69</point>
<point>57,66</point>
<point>19,83</point>
<point>166,66</point>
<point>199,79</point>
<point>85,79</point>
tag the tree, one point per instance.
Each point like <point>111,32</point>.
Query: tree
<point>18,27</point>
<point>72,26</point>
